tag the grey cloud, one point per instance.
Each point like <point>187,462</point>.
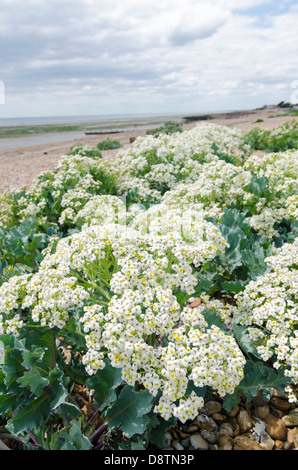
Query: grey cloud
<point>164,50</point>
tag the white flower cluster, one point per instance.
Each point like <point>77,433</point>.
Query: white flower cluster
<point>131,312</point>
<point>269,307</point>
<point>165,161</point>
<point>101,210</point>
<point>281,171</point>
<point>161,219</point>
<point>219,185</point>
<point>6,216</point>
<point>71,185</point>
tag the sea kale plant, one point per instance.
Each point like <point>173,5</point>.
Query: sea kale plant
<point>151,281</point>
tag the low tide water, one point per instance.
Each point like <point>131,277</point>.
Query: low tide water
<point>22,132</point>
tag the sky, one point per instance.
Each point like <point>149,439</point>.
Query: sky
<point>107,57</point>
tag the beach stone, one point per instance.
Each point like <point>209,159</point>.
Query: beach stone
<point>278,445</point>
<point>277,412</point>
<point>225,441</point>
<point>287,446</point>
<point>195,303</point>
<point>263,411</point>
<point>244,421</point>
<point>177,446</point>
<point>210,425</point>
<point>280,404</point>
<point>245,443</point>
<point>168,440</point>
<point>266,442</point>
<point>192,428</point>
<point>234,412</point>
<point>198,442</point>
<point>259,400</point>
<point>210,436</point>
<point>185,442</point>
<point>212,407</point>
<point>276,393</point>
<point>291,436</point>
<point>219,417</point>
<point>291,419</point>
<point>227,428</point>
<point>236,430</point>
<point>275,427</point>
<point>182,434</point>
<point>202,418</point>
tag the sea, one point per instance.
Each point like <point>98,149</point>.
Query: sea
<point>100,124</point>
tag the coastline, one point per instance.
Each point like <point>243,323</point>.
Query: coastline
<point>20,165</point>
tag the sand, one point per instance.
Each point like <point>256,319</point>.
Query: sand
<point>19,166</point>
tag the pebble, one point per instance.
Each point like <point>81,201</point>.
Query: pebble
<point>225,440</point>
<point>234,412</point>
<point>210,436</point>
<point>280,404</point>
<point>244,421</point>
<point>275,427</point>
<point>198,442</point>
<point>176,444</point>
<point>195,303</point>
<point>292,436</point>
<point>291,419</point>
<point>263,411</point>
<point>257,425</point>
<point>245,443</point>
<point>211,407</point>
<point>266,442</point>
<point>210,425</point>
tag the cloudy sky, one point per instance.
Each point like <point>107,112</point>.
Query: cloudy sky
<point>93,57</point>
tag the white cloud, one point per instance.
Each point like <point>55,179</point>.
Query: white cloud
<point>128,56</point>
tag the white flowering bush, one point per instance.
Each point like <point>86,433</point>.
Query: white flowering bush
<point>274,195</point>
<point>152,279</point>
<point>269,306</point>
<point>125,285</point>
<point>6,211</point>
<point>156,164</point>
<point>56,197</point>
<point>218,186</point>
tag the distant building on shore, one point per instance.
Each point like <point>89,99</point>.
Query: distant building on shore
<point>271,106</point>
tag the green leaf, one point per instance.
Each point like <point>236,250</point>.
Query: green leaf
<point>34,381</point>
<point>13,367</point>
<point>56,389</point>
<point>44,339</point>
<point>104,382</point>
<point>212,318</point>
<point>233,251</point>
<point>233,286</point>
<point>243,340</point>
<point>254,261</point>
<point>257,185</point>
<point>130,410</point>
<point>74,439</point>
<point>258,377</point>
<point>71,410</point>
<point>33,414</point>
<point>7,403</point>
<point>157,435</point>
